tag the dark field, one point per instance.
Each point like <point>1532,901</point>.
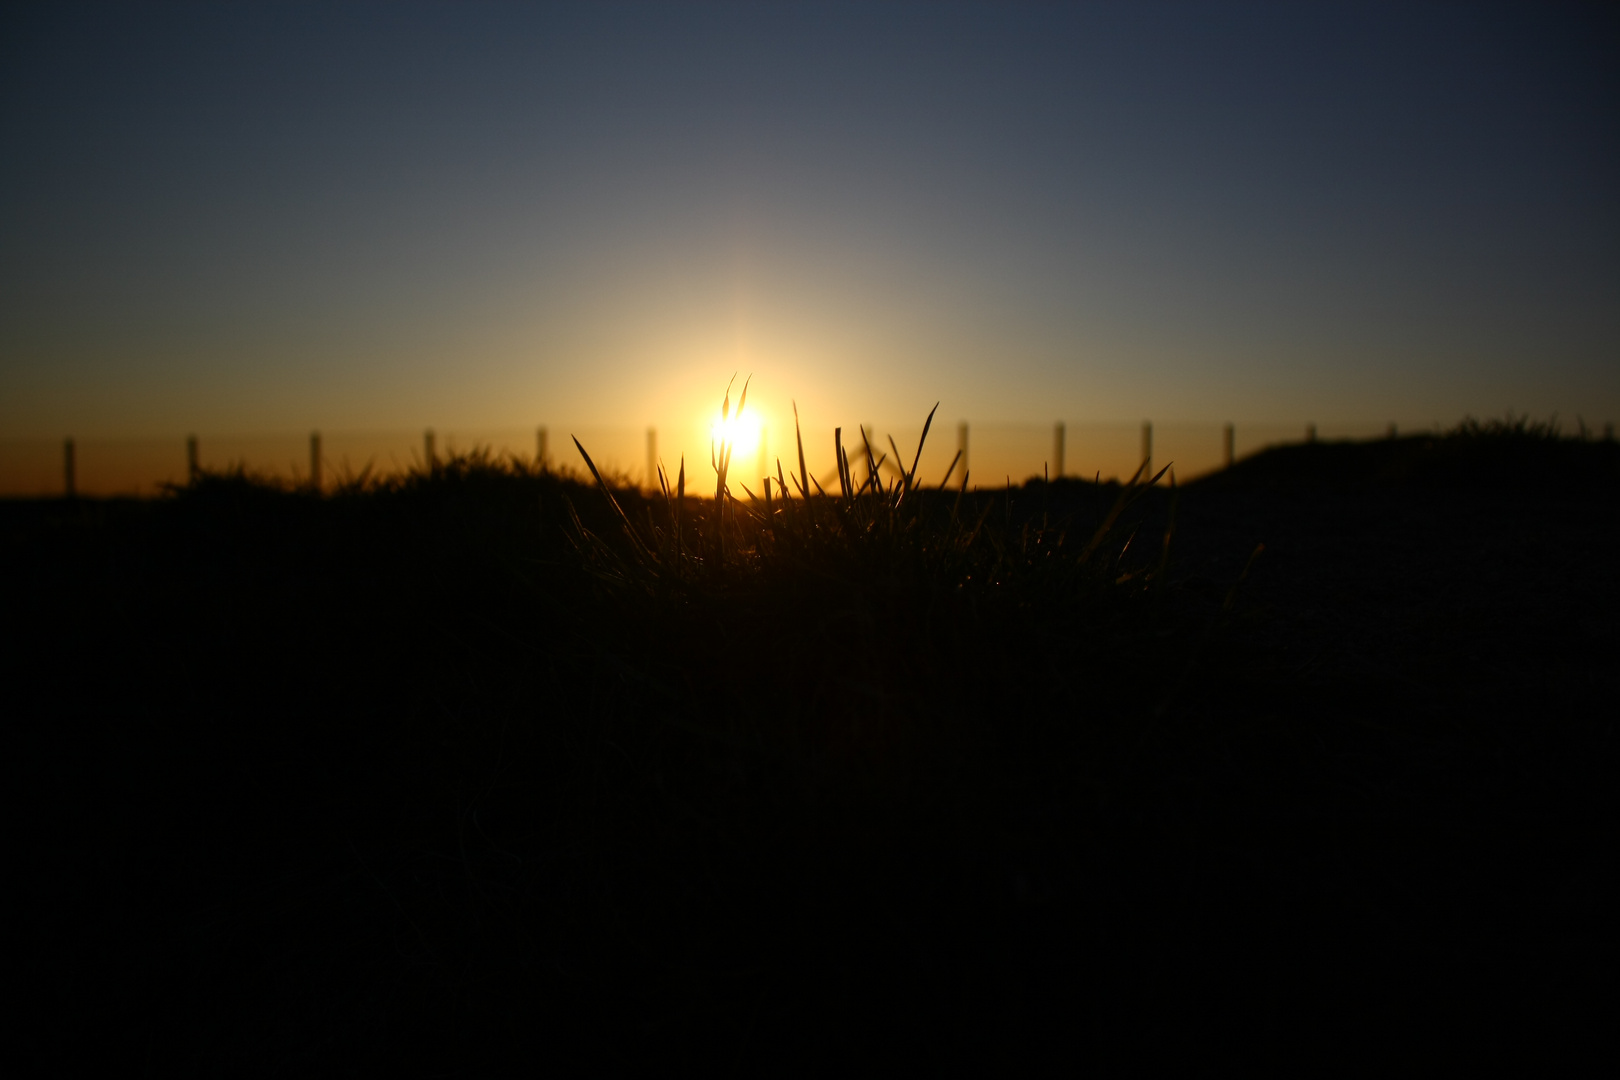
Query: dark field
<point>426,779</point>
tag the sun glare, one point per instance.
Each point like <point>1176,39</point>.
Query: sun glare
<point>741,433</point>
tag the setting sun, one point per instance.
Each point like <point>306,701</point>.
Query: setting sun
<point>741,433</point>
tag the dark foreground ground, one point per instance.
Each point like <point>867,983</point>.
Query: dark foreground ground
<point>388,782</point>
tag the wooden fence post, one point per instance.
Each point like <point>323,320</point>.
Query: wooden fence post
<point>315,462</point>
<point>1608,431</point>
<point>542,455</point>
<point>1057,450</point>
<point>652,459</point>
<point>68,486</point>
<point>1231,445</point>
<point>430,453</point>
<point>1147,451</point>
<point>1310,433</point>
<point>962,446</point>
<point>1392,429</point>
<point>192,465</point>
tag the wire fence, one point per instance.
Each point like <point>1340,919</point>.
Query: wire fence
<point>992,454</point>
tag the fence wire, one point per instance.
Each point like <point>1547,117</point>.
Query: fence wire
<point>995,453</point>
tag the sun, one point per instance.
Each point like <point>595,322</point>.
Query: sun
<point>741,433</point>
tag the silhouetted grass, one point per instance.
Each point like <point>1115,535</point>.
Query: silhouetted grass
<point>481,761</point>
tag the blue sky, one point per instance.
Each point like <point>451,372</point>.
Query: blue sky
<point>272,218</point>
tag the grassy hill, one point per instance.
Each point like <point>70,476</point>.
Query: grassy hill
<point>469,767</point>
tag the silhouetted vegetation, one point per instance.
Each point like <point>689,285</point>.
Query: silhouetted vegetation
<point>433,771</point>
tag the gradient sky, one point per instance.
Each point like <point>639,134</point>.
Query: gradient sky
<point>244,218</point>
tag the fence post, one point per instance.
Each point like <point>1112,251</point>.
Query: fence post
<point>1057,450</point>
<point>1608,431</point>
<point>542,452</point>
<point>1310,433</point>
<point>962,446</point>
<point>1391,429</point>
<point>764,464</point>
<point>1231,445</point>
<point>68,486</point>
<point>430,453</point>
<point>652,459</point>
<point>192,465</point>
<point>315,462</point>
<point>1147,450</point>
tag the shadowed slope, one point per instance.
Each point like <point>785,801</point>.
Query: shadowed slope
<point>434,771</point>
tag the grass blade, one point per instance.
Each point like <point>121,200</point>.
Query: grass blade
<point>624,518</point>
<point>911,477</point>
<point>1169,534</point>
<point>838,454</point>
<point>804,480</point>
